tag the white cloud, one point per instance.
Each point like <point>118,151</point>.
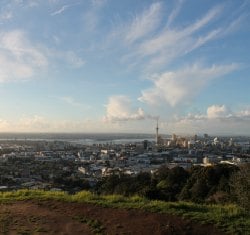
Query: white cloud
<point>183,85</point>
<point>203,39</point>
<point>119,109</point>
<point>216,111</point>
<point>19,58</point>
<point>71,101</point>
<point>4,125</point>
<point>244,113</point>
<point>205,20</point>
<point>69,57</point>
<point>14,70</point>
<point>175,12</point>
<point>219,119</point>
<point>189,124</point>
<point>220,112</point>
<point>63,8</point>
<point>160,46</point>
<point>91,17</point>
<point>35,122</point>
<point>144,23</point>
<point>38,123</point>
<point>16,44</point>
<point>169,44</point>
<point>59,11</point>
<point>147,43</point>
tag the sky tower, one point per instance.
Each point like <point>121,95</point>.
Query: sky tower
<point>157,133</point>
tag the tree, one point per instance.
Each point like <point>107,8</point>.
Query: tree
<point>162,173</point>
<point>208,183</point>
<point>240,186</point>
<point>171,182</point>
<point>199,190</point>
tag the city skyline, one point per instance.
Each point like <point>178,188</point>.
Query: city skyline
<point>118,66</point>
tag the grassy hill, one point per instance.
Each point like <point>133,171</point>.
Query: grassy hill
<point>230,219</point>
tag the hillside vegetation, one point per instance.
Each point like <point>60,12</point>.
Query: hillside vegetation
<point>228,218</point>
<point>218,184</point>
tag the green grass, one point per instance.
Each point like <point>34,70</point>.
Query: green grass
<point>229,218</point>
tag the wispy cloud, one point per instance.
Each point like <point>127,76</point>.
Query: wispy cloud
<point>181,86</point>
<point>175,12</point>
<point>71,101</point>
<point>149,44</point>
<point>92,16</point>
<point>19,58</point>
<point>169,44</point>
<point>98,3</point>
<point>68,56</point>
<point>144,23</point>
<point>61,10</point>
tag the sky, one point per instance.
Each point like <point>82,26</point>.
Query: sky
<point>119,66</point>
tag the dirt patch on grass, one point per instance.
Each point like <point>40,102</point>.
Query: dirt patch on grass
<point>54,217</point>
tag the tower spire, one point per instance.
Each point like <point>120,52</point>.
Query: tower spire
<point>157,132</point>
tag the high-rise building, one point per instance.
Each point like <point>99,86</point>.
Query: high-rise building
<point>145,144</point>
<point>174,137</point>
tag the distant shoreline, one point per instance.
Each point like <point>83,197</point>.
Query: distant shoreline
<point>81,138</point>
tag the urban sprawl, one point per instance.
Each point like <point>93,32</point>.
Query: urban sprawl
<point>62,165</point>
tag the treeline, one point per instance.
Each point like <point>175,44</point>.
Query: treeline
<point>214,184</point>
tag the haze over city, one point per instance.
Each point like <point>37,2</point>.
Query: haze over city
<point>118,66</point>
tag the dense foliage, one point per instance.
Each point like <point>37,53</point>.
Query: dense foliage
<point>221,183</point>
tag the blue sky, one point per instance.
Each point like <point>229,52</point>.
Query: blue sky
<point>117,66</point>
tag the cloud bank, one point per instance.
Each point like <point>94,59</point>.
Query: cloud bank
<point>218,119</point>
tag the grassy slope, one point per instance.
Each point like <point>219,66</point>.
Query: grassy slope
<point>228,218</point>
